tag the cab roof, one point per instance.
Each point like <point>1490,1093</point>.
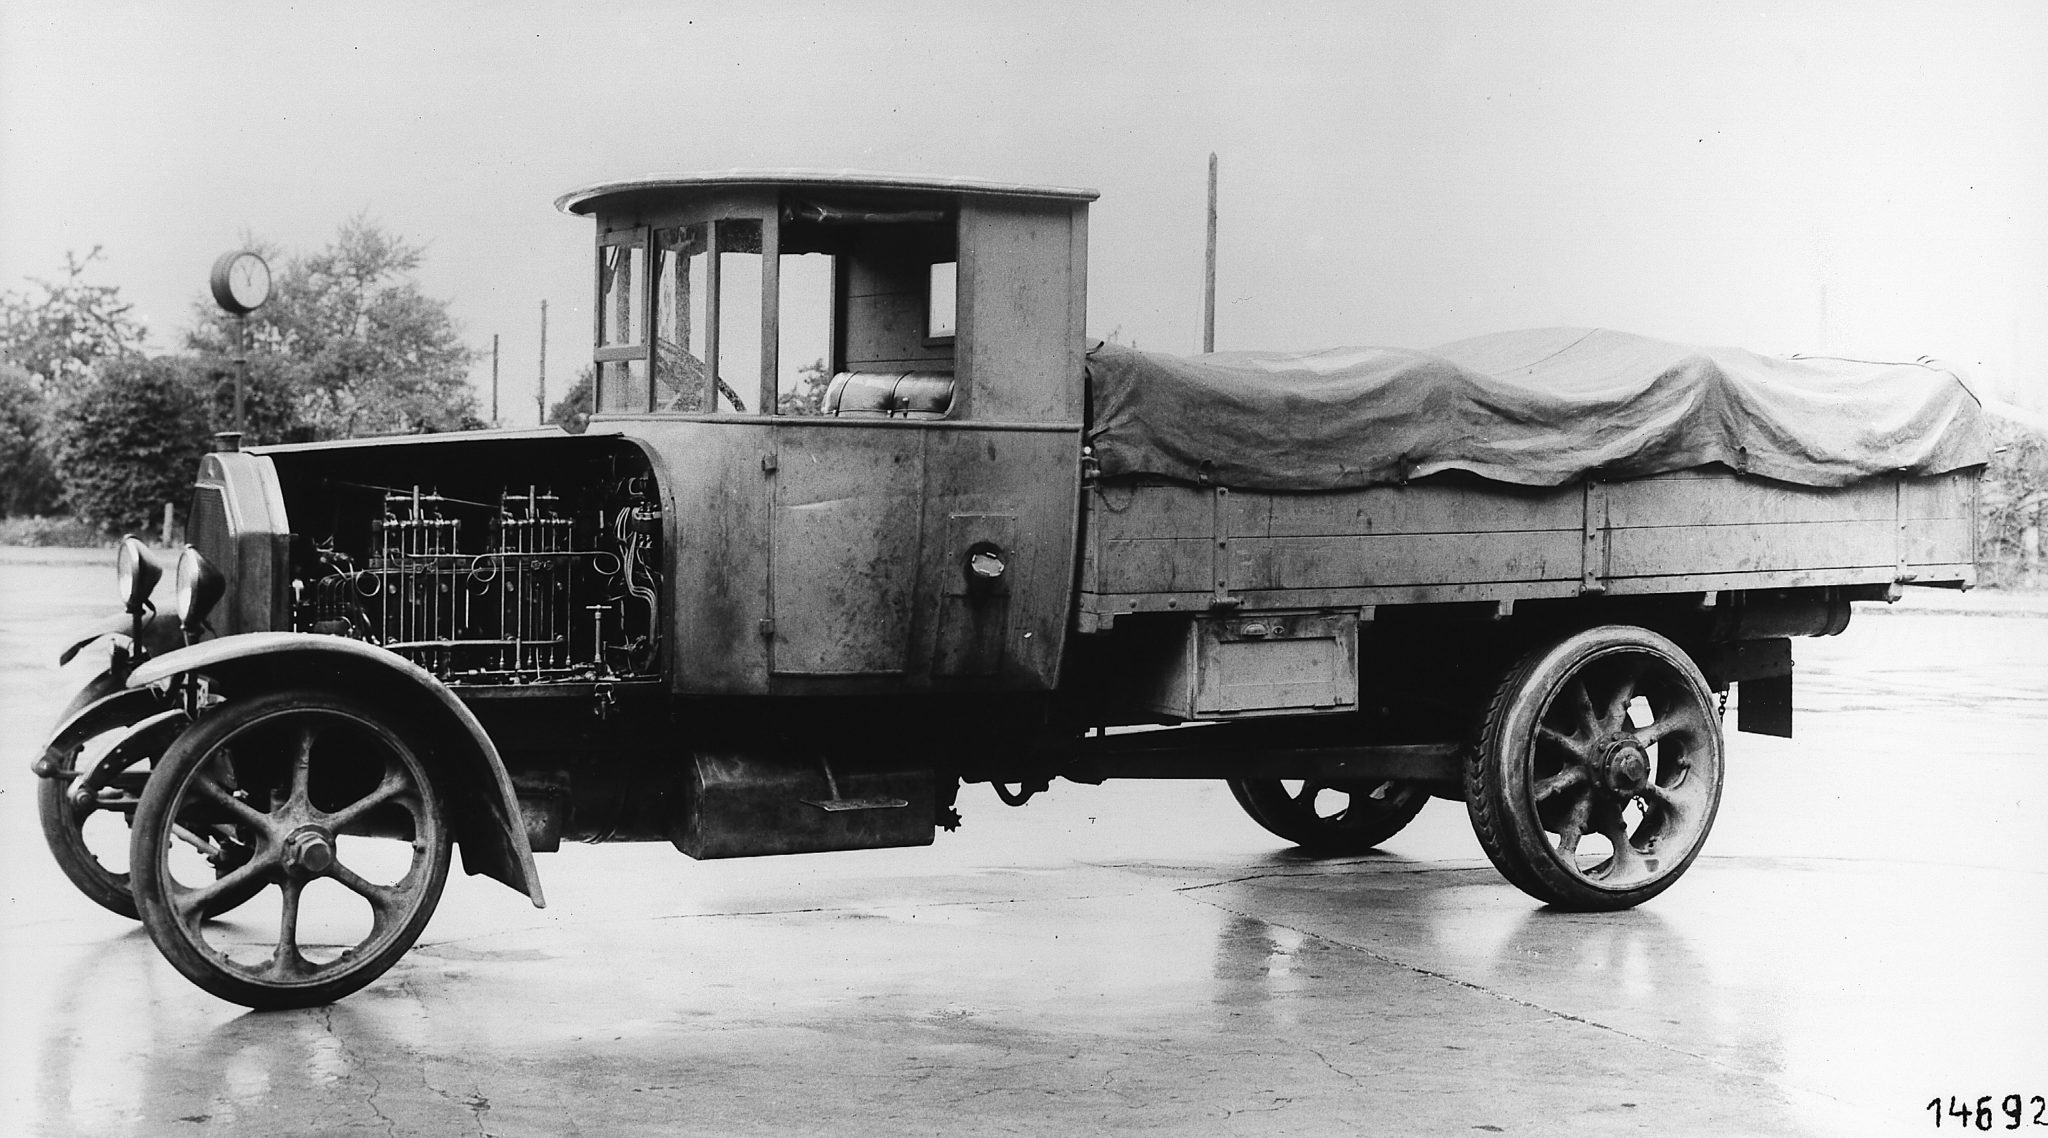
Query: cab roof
<point>589,199</point>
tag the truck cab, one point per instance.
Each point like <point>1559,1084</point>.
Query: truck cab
<point>864,396</point>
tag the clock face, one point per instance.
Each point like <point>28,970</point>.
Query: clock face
<point>241,282</point>
<point>249,280</point>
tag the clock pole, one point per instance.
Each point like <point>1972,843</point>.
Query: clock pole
<point>241,360</point>
<point>241,283</point>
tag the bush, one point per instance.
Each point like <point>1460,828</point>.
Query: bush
<point>28,485</point>
<point>128,440</point>
<point>49,533</point>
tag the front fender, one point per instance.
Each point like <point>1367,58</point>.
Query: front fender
<point>487,822</point>
<point>117,710</point>
<point>161,632</point>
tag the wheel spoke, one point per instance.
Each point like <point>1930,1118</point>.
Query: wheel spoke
<point>382,898</point>
<point>394,784</point>
<point>1574,827</point>
<point>1616,716</point>
<point>286,962</point>
<point>1661,811</point>
<point>1624,863</point>
<point>1581,705</point>
<point>302,763</point>
<point>1570,743</point>
<point>1563,780</point>
<point>197,903</point>
<point>219,795</point>
<point>1687,723</point>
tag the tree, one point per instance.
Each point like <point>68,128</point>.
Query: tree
<point>812,382</point>
<point>270,397</point>
<point>572,411</point>
<point>57,337</point>
<point>49,342</point>
<point>28,485</point>
<point>128,438</point>
<point>365,351</point>
<point>2013,501</point>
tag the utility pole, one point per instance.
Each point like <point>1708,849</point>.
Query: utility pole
<point>494,379</point>
<point>541,397</point>
<point>1209,276</point>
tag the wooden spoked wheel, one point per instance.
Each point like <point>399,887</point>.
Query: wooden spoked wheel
<point>87,805</point>
<point>1330,820</point>
<point>1598,769</point>
<point>350,848</point>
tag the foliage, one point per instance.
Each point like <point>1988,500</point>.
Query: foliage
<point>57,337</point>
<point>52,533</point>
<point>128,439</point>
<point>49,342</point>
<point>813,380</point>
<point>270,400</point>
<point>572,411</point>
<point>363,349</point>
<point>28,484</point>
<point>2013,501</point>
<point>808,397</point>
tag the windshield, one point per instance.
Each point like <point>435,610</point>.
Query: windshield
<point>745,315</point>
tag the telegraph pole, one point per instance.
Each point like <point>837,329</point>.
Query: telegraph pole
<point>1209,276</point>
<point>541,397</point>
<point>494,379</point>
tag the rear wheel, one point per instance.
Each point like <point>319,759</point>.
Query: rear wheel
<point>1330,820</point>
<point>350,848</point>
<point>1598,769</point>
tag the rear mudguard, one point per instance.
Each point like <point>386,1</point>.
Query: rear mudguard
<point>486,818</point>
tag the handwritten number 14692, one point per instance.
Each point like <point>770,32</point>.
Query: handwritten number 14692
<point>2013,1111</point>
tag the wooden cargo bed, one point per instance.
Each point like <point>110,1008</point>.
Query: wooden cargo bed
<point>1170,547</point>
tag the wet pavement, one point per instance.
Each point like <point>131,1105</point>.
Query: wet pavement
<point>1864,933</point>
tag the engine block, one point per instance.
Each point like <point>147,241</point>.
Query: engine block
<point>528,589</point>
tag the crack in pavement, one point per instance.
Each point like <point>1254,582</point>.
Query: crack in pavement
<point>474,1103</point>
<point>1327,1063</point>
<point>325,1016</point>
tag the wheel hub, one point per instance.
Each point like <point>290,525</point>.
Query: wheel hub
<point>309,852</point>
<point>1623,766</point>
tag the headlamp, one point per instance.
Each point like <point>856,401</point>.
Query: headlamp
<point>135,573</point>
<point>200,586</point>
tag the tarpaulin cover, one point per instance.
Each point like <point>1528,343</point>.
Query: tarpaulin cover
<point>1537,408</point>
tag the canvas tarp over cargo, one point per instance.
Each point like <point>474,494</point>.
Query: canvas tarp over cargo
<point>1537,408</point>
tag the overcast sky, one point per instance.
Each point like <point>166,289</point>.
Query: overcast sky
<point>1854,178</point>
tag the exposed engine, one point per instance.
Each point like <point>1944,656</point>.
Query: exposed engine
<point>537,584</point>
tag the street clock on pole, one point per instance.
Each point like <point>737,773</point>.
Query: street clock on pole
<point>241,282</point>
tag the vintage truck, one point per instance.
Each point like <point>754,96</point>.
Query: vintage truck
<point>753,610</point>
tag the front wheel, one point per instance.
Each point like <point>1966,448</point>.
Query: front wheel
<point>87,803</point>
<point>1598,769</point>
<point>350,848</point>
<point>87,841</point>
